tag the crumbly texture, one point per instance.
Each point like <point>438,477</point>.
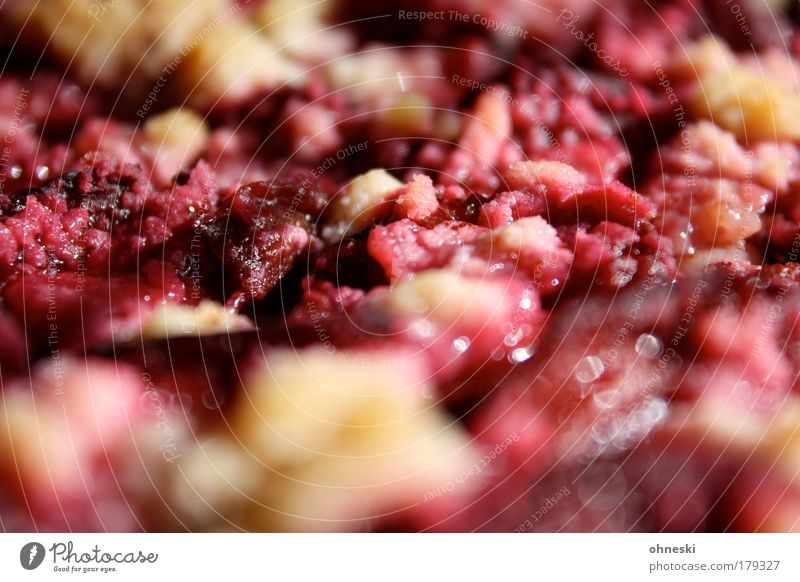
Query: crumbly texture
<point>303,266</point>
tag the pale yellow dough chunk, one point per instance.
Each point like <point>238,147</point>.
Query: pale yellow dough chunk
<point>363,201</point>
<point>321,441</point>
<point>106,40</point>
<point>207,318</point>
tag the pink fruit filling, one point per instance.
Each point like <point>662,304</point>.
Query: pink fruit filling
<point>400,276</point>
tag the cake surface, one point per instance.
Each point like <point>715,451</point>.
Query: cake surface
<point>400,266</point>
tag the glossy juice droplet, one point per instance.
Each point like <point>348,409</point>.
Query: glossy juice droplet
<point>589,369</point>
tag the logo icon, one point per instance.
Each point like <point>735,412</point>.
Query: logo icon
<point>31,555</point>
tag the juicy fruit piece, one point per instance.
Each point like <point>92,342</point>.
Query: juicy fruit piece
<point>596,388</point>
<point>551,175</point>
<point>363,202</point>
<point>466,328</point>
<point>71,218</point>
<point>601,375</point>
<point>417,201</point>
<point>404,247</point>
<point>753,373</point>
<point>529,244</point>
<point>611,256</point>
<point>554,114</point>
<point>620,245</point>
<point>712,193</point>
<point>165,147</point>
<point>77,240</point>
<point>708,347</point>
<point>558,191</point>
<point>43,103</point>
<point>60,431</point>
<point>257,238</point>
<point>534,246</point>
<point>56,317</point>
<point>484,146</point>
<point>559,104</point>
<point>464,323</point>
<point>482,139</point>
<point>760,445</point>
<point>67,222</point>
